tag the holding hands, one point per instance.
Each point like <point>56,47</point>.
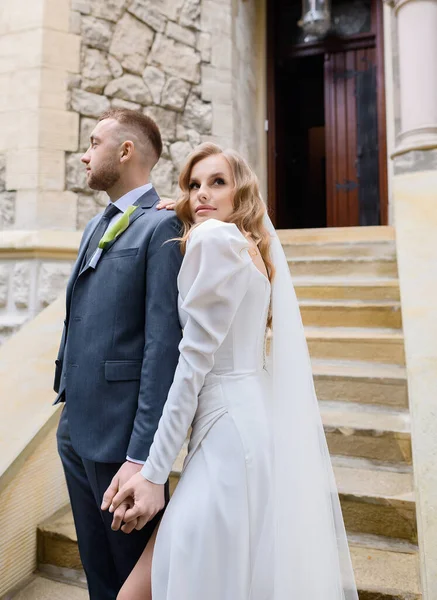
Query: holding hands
<point>135,503</point>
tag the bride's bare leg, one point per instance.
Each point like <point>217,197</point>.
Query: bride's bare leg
<point>138,586</point>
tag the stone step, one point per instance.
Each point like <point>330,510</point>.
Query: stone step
<point>378,249</point>
<point>43,588</point>
<point>355,267</point>
<point>362,344</point>
<point>376,500</point>
<point>374,433</point>
<point>351,313</point>
<point>361,382</point>
<point>385,569</point>
<point>338,235</point>
<point>329,288</point>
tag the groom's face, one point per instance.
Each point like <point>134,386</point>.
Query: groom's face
<point>102,159</point>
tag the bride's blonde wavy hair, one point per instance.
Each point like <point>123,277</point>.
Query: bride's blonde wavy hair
<point>249,207</point>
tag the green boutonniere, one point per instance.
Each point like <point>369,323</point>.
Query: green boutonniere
<point>117,229</point>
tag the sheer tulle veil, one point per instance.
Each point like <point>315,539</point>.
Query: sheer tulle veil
<point>311,559</point>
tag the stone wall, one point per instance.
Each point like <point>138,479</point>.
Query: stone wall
<point>148,56</point>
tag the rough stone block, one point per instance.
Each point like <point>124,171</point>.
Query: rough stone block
<point>162,177</point>
<point>96,73</point>
<point>76,179</point>
<point>2,172</point>
<point>7,209</point>
<point>155,80</point>
<point>165,119</point>
<point>119,103</point>
<point>5,271</point>
<point>175,58</point>
<point>190,13</point>
<point>169,8</point>
<point>96,33</point>
<point>179,152</point>
<point>52,281</point>
<point>197,115</point>
<point>175,94</point>
<point>131,43</point>
<point>88,104</point>
<point>86,127</point>
<point>115,66</point>
<point>21,282</point>
<point>108,9</point>
<point>131,88</point>
<point>181,34</point>
<point>147,12</point>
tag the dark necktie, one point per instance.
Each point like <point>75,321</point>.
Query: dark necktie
<point>110,211</point>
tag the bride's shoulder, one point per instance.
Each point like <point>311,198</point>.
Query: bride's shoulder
<point>213,232</point>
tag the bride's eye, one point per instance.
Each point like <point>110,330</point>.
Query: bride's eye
<point>193,185</point>
<point>219,181</point>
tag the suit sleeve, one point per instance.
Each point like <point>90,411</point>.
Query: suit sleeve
<point>215,276</point>
<point>162,335</point>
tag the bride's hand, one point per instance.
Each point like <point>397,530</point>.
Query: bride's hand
<point>148,499</point>
<point>166,203</point>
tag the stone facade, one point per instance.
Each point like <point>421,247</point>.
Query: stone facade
<point>148,56</point>
<point>191,65</point>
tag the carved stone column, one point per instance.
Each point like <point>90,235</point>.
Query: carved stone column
<point>415,218</point>
<point>417,27</point>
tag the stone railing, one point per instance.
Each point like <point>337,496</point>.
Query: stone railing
<point>32,485</point>
<point>34,269</point>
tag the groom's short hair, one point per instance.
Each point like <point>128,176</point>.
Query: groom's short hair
<point>143,126</point>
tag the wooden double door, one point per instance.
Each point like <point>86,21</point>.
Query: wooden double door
<point>326,136</point>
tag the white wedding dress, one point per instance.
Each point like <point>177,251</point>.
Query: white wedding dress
<point>216,536</point>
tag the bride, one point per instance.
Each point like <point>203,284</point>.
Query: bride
<point>255,515</point>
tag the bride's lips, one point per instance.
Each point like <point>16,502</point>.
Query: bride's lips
<point>204,207</point>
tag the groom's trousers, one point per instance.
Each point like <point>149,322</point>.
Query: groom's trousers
<point>107,556</point>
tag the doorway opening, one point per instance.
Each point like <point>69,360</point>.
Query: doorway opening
<point>327,163</point>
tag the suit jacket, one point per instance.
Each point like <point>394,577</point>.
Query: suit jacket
<point>119,346</point>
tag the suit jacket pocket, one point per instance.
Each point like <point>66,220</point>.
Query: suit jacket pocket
<point>58,372</point>
<point>122,370</point>
<point>120,253</point>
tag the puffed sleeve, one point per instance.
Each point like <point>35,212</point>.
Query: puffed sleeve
<point>213,281</point>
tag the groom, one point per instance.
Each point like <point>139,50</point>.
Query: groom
<point>119,346</point>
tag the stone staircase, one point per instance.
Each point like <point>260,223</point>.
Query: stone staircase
<point>346,282</point>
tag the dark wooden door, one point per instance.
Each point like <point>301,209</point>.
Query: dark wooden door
<point>351,128</point>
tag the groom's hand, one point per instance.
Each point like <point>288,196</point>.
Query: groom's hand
<point>125,472</point>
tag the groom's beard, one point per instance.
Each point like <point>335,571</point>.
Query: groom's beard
<point>103,178</point>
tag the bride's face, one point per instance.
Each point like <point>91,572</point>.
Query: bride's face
<point>211,189</point>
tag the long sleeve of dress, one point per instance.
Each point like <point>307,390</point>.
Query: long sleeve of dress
<point>213,280</point>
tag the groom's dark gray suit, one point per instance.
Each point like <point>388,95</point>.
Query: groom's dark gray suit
<point>116,362</point>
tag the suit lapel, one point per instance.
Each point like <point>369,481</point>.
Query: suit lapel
<point>77,265</point>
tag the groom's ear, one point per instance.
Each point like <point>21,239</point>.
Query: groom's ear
<point>126,151</point>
